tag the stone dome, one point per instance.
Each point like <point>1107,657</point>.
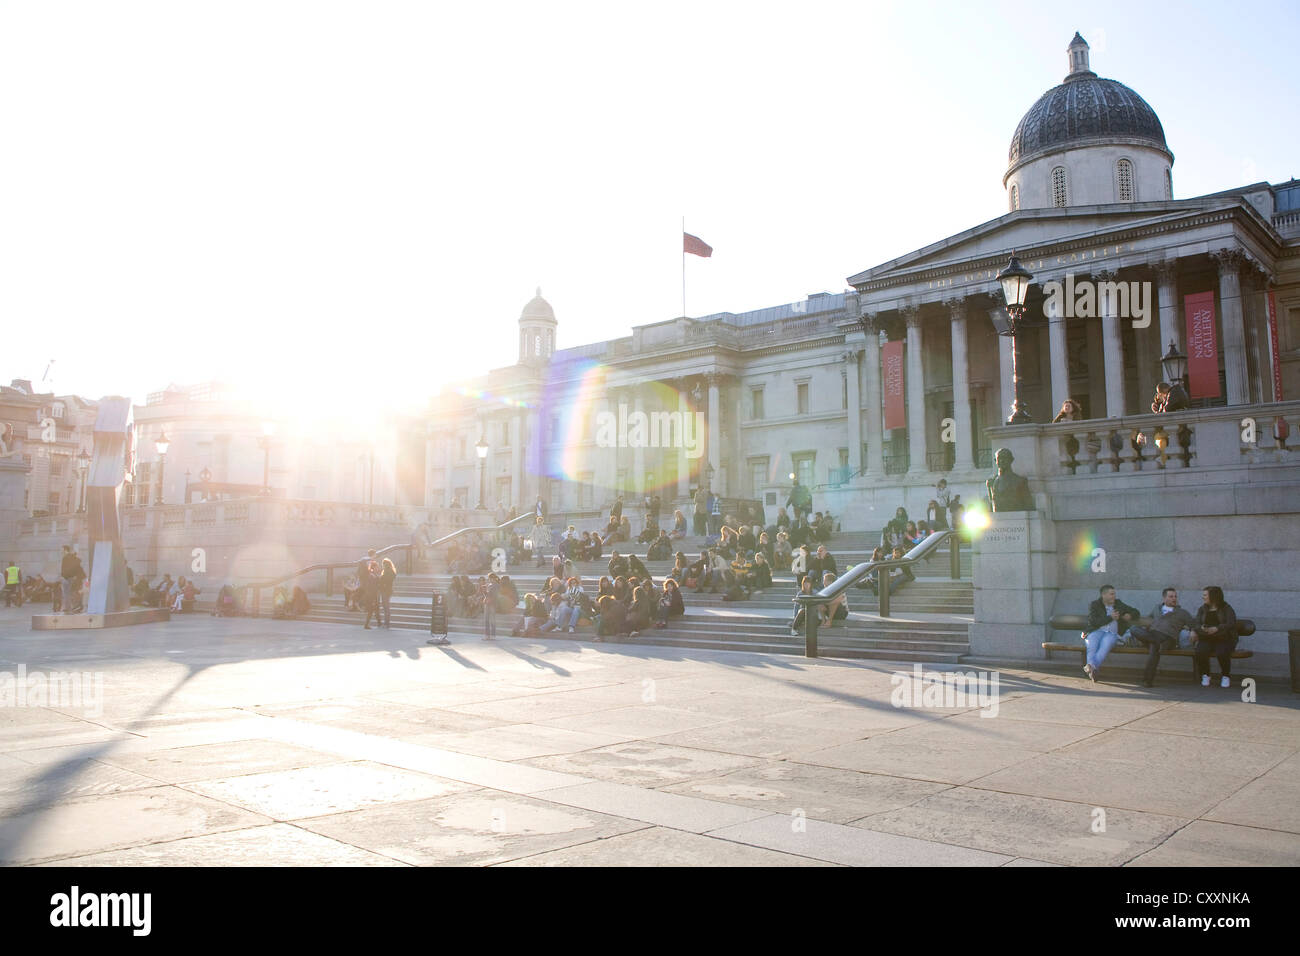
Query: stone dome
<point>1085,109</point>
<point>537,308</point>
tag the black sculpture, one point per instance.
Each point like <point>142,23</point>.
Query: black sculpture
<point>1007,490</point>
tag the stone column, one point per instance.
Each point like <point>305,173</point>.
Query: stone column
<point>1058,354</point>
<point>1171,329</point>
<point>916,412</point>
<point>449,462</point>
<point>871,361</point>
<point>1112,346</point>
<point>534,458</point>
<point>1230,263</point>
<point>1255,319</point>
<point>638,453</point>
<point>688,427</point>
<point>517,464</point>
<point>1006,383</point>
<point>965,457</point>
<point>855,409</point>
<point>715,431</point>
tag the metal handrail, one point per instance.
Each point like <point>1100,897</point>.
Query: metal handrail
<point>926,549</point>
<point>258,587</point>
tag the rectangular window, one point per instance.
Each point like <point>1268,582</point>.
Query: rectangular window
<point>586,491</point>
<point>803,468</point>
<point>757,477</point>
<point>757,397</point>
<point>801,398</point>
<point>844,391</point>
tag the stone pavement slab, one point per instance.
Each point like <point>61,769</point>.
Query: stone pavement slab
<point>652,806</point>
<point>657,846</point>
<point>919,758</point>
<point>1047,830</point>
<point>645,763</point>
<point>852,846</point>
<point>821,793</point>
<point>216,760</point>
<point>1204,843</point>
<point>279,844</point>
<point>464,829</point>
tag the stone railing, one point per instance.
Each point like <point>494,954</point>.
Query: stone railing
<point>1211,438</point>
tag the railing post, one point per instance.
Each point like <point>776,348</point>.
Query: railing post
<point>954,550</point>
<point>329,582</point>
<point>811,617</point>
<point>883,575</point>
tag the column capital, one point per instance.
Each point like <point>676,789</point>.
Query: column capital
<point>715,379</point>
<point>851,356</point>
<point>1230,260</point>
<point>956,307</point>
<point>869,321</point>
<point>1166,270</point>
<point>912,315</point>
<point>1105,275</point>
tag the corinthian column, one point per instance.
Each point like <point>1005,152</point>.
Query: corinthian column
<point>965,457</point>
<point>916,412</point>
<point>1112,346</point>
<point>855,410</point>
<point>871,361</point>
<point>1230,263</point>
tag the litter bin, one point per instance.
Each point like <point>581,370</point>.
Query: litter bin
<point>438,620</point>
<point>1293,642</point>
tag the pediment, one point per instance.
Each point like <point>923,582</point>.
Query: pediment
<point>1033,229</point>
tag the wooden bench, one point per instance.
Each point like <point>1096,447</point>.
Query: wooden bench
<point>1079,622</point>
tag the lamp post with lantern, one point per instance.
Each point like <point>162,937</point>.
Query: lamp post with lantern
<point>1015,281</point>
<point>83,468</point>
<point>481,449</point>
<point>161,444</point>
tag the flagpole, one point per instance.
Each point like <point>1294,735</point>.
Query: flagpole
<point>683,266</point>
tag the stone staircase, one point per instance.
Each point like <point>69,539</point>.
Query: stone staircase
<point>928,623</point>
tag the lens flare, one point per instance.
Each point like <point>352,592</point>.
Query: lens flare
<point>976,520</point>
<point>1082,552</point>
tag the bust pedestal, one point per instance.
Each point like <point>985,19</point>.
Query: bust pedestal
<point>1014,571</point>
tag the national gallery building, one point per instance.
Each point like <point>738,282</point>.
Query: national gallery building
<point>872,395</point>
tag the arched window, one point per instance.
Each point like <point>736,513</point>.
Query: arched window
<point>1169,184</point>
<point>1015,197</point>
<point>1059,195</point>
<point>1124,180</point>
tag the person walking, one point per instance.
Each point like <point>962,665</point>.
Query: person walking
<point>387,577</point>
<point>370,593</point>
<point>489,589</point>
<point>73,574</point>
<point>13,585</point>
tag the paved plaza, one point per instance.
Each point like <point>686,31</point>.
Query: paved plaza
<point>259,742</point>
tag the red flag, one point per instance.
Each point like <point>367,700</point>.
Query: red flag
<point>696,246</point>
<point>1202,349</point>
<point>891,361</point>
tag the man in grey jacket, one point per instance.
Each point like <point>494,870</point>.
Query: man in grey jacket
<point>1169,622</point>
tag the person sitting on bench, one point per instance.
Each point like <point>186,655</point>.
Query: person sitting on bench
<point>1108,619</point>
<point>1216,634</point>
<point>1169,622</point>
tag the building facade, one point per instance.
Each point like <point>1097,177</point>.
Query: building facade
<point>800,389</point>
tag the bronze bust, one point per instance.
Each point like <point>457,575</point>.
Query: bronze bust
<point>1009,491</point>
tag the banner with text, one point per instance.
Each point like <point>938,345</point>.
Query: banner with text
<point>1202,346</point>
<point>891,372</point>
<point>1275,354</point>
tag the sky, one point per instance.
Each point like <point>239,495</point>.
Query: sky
<point>335,203</point>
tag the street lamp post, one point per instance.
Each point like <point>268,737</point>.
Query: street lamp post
<point>1015,281</point>
<point>268,430</point>
<point>481,449</point>
<point>204,477</point>
<point>161,445</point>
<point>83,468</point>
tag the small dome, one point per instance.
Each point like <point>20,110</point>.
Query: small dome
<point>1085,109</point>
<point>537,308</point>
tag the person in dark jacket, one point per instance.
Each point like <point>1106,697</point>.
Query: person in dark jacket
<point>612,617</point>
<point>635,568</point>
<point>1109,619</point>
<point>618,565</point>
<point>72,574</point>
<point>821,564</point>
<point>641,611</point>
<point>369,595</point>
<point>670,603</point>
<point>387,577</point>
<point>1169,621</point>
<point>1216,635</point>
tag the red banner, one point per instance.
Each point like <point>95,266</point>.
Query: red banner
<point>1202,346</point>
<point>891,374</point>
<point>1276,353</point>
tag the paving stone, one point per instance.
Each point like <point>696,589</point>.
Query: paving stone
<point>1048,830</point>
<point>217,760</point>
<point>645,763</point>
<point>279,844</point>
<point>1271,802</point>
<point>652,806</point>
<point>114,820</point>
<point>853,846</point>
<point>520,741</point>
<point>636,723</point>
<point>821,793</point>
<point>1078,709</point>
<point>1158,750</point>
<point>1203,843</point>
<point>1252,728</point>
<point>469,829</point>
<point>315,791</point>
<point>755,738</point>
<point>920,758</point>
<point>657,846</point>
